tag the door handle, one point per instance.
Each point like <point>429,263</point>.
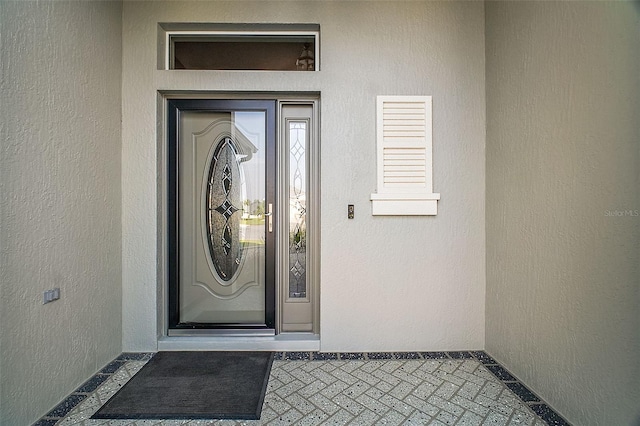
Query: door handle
<point>269,216</point>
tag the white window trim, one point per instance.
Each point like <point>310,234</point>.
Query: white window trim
<point>406,135</point>
<point>170,31</point>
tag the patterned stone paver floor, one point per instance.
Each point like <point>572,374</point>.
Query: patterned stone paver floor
<point>362,391</point>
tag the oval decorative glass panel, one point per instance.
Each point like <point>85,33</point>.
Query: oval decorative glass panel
<point>223,201</point>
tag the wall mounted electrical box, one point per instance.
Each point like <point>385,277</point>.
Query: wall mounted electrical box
<point>51,295</point>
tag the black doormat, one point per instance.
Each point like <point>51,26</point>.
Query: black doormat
<point>194,385</point>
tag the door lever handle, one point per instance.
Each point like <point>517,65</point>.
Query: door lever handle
<point>269,216</point>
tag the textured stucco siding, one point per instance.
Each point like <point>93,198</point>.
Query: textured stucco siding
<point>563,203</point>
<point>60,207</point>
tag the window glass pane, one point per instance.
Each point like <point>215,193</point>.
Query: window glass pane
<point>273,53</point>
<point>222,190</point>
<point>297,209</point>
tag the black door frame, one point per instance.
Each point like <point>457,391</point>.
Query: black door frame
<point>174,109</point>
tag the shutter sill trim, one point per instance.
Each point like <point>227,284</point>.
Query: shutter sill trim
<point>404,204</point>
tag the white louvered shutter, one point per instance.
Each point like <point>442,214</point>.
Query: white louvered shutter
<point>404,165</point>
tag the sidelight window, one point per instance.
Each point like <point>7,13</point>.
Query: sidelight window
<point>297,209</point>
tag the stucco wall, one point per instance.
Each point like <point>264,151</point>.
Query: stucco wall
<point>563,228</point>
<point>60,98</point>
<point>388,283</point>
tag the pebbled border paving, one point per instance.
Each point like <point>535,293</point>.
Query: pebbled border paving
<point>84,390</point>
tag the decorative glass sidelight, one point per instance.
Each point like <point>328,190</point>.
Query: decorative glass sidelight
<point>297,209</point>
<point>223,201</point>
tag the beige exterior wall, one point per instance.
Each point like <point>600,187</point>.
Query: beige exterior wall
<point>61,200</point>
<point>388,283</point>
<point>563,232</point>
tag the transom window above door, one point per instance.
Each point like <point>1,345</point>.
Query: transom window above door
<point>248,47</point>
